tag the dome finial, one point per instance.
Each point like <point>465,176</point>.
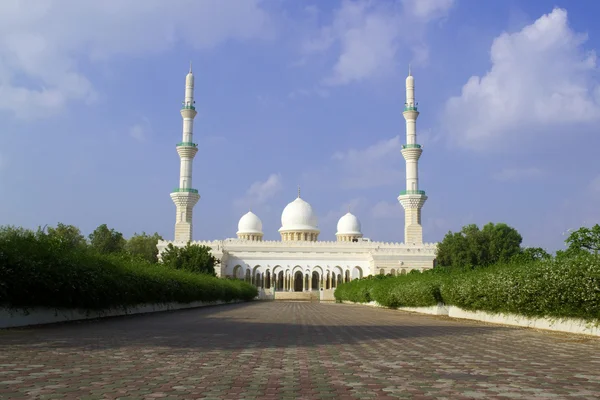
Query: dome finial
<point>409,72</point>
<point>298,191</point>
<point>190,67</point>
<point>348,208</point>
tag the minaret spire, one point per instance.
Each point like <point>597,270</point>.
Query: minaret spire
<point>184,197</point>
<point>298,191</point>
<point>412,199</point>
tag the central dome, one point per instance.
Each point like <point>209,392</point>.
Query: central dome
<point>298,216</point>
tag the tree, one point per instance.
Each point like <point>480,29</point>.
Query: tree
<point>584,239</point>
<point>473,247</point>
<point>67,235</point>
<point>192,257</point>
<point>106,240</point>
<point>504,242</point>
<point>144,246</point>
<point>531,254</point>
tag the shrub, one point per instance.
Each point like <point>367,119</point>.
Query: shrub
<point>568,287</point>
<point>357,291</point>
<point>561,287</point>
<point>192,257</point>
<point>37,270</point>
<point>412,290</point>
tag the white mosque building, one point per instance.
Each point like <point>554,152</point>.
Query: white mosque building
<point>300,262</point>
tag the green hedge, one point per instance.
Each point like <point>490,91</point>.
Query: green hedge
<point>550,288</point>
<point>38,271</point>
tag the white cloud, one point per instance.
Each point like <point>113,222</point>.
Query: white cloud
<point>428,9</point>
<point>42,47</point>
<point>371,34</point>
<point>333,216</point>
<point>137,132</point>
<point>260,192</point>
<point>384,209</point>
<point>140,130</point>
<point>377,165</point>
<point>542,81</point>
<point>516,174</point>
<point>300,93</point>
<point>594,185</point>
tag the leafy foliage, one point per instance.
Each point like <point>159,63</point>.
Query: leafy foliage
<point>144,246</point>
<point>36,269</point>
<point>473,247</point>
<point>107,241</point>
<point>555,288</point>
<point>67,235</point>
<point>567,287</point>
<point>529,255</point>
<point>192,257</point>
<point>584,239</point>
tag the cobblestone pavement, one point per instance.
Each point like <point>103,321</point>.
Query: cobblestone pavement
<point>268,350</point>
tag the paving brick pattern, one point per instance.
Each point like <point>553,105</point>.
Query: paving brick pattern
<point>269,350</point>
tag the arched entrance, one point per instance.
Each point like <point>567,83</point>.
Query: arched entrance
<point>315,281</point>
<point>298,278</point>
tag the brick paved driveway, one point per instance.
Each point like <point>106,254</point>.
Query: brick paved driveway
<point>294,350</point>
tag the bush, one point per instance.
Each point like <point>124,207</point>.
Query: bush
<point>38,270</point>
<point>567,287</point>
<point>192,258</point>
<point>412,290</point>
<point>562,287</point>
<point>357,291</point>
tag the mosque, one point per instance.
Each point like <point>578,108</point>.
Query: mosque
<point>300,262</point>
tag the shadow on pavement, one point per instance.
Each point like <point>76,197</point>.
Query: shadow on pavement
<point>242,326</point>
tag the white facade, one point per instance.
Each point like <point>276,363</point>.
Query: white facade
<point>299,262</point>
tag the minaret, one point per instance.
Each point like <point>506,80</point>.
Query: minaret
<point>184,197</point>
<point>412,199</point>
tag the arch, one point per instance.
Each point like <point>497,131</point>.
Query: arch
<point>296,269</point>
<point>268,279</point>
<point>257,275</point>
<point>306,279</point>
<point>315,281</point>
<point>280,281</point>
<point>298,277</point>
<point>403,271</point>
<point>318,269</point>
<point>357,272</point>
<point>381,271</point>
<point>238,272</point>
<point>347,276</point>
<point>339,280</point>
<point>248,275</point>
<point>276,269</point>
<point>393,272</point>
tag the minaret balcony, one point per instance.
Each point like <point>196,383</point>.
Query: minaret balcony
<point>410,108</point>
<point>187,144</point>
<point>405,192</point>
<point>411,146</point>
<point>188,107</point>
<point>185,190</point>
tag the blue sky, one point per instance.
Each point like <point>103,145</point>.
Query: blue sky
<point>301,93</point>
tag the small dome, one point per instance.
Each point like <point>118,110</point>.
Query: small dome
<point>249,223</point>
<point>348,225</point>
<point>298,216</point>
